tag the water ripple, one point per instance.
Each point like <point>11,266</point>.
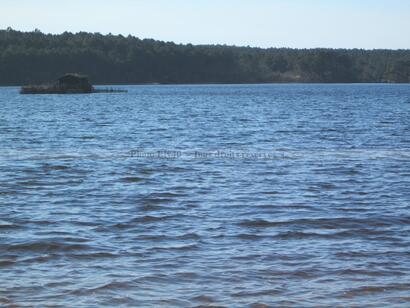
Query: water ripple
<point>206,196</point>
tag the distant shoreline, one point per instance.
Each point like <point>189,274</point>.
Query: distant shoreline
<point>36,58</point>
<point>232,84</point>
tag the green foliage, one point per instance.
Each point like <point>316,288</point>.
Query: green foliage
<point>34,57</point>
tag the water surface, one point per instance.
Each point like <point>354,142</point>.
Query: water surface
<point>186,196</point>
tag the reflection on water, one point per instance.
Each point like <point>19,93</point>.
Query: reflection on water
<point>185,196</point>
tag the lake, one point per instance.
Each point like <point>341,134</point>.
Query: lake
<point>211,195</point>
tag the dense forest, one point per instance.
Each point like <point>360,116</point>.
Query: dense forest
<point>35,57</point>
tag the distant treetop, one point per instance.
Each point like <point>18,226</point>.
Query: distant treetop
<point>34,57</point>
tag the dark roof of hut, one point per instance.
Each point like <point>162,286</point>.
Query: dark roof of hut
<point>72,76</point>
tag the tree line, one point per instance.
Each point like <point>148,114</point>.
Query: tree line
<point>35,57</point>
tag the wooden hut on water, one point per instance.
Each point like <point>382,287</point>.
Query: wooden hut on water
<point>68,84</point>
<point>72,82</point>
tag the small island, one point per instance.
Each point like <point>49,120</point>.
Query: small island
<point>67,84</point>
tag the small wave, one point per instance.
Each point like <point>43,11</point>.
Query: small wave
<point>55,167</point>
<point>46,246</point>
<point>93,256</point>
<point>365,254</point>
<point>176,248</point>
<point>150,201</point>
<point>180,170</point>
<point>250,237</point>
<point>87,137</point>
<point>147,171</point>
<point>152,208</point>
<point>8,192</point>
<point>272,292</point>
<point>164,195</point>
<point>150,219</point>
<point>259,223</point>
<point>189,236</point>
<point>4,225</point>
<point>261,305</point>
<point>371,290</point>
<point>187,275</point>
<point>271,193</point>
<point>104,124</point>
<point>368,272</point>
<point>156,278</point>
<point>6,301</point>
<point>44,258</point>
<point>327,186</point>
<point>115,285</point>
<point>146,219</point>
<point>7,262</point>
<point>131,180</point>
<point>331,223</point>
<point>203,299</point>
<point>298,235</point>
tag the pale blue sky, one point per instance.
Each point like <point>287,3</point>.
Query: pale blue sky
<point>265,23</point>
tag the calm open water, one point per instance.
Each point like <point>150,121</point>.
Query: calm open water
<point>185,196</point>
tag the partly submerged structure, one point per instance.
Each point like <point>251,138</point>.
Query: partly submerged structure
<point>75,82</point>
<point>67,84</point>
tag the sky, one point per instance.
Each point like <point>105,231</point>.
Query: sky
<point>365,24</point>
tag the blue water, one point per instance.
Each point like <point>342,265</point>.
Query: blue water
<point>189,196</point>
